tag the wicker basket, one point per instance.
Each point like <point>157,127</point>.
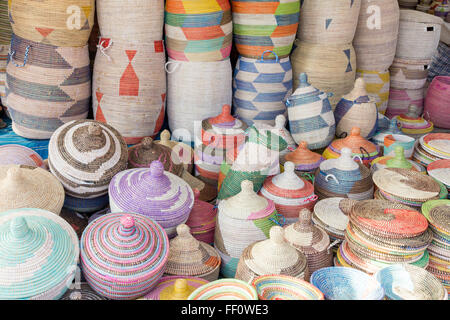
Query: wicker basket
<point>394,128</point>
<point>412,123</point>
<point>174,288</point>
<point>401,99</point>
<point>225,289</point>
<point>377,87</point>
<point>17,154</point>
<point>440,63</point>
<point>5,40</point>
<point>408,4</point>
<point>202,220</point>
<point>330,68</point>
<point>376,35</point>
<point>129,87</point>
<point>437,102</point>
<point>281,287</point>
<point>328,21</point>
<point>409,74</point>
<point>304,159</point>
<point>82,291</point>
<point>185,152</point>
<point>392,141</point>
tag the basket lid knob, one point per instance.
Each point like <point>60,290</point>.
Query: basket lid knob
<point>165,135</point>
<point>413,111</point>
<point>76,295</point>
<point>305,217</point>
<point>247,186</point>
<point>94,129</point>
<point>156,168</point>
<point>147,143</point>
<point>280,121</point>
<point>303,78</point>
<point>224,117</point>
<point>399,160</point>
<point>127,221</point>
<point>277,234</point>
<point>303,145</point>
<point>289,167</point>
<point>19,227</point>
<point>180,290</point>
<point>356,131</point>
<point>196,193</point>
<point>183,230</point>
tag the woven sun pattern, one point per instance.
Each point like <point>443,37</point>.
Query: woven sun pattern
<point>265,25</point>
<point>225,289</point>
<point>46,86</point>
<point>129,87</point>
<point>82,291</point>
<point>131,260</point>
<point>437,102</point>
<point>198,30</point>
<point>282,287</point>
<point>340,283</point>
<point>17,154</point>
<point>174,288</point>
<point>202,220</point>
<point>62,23</point>
<point>260,88</point>
<point>84,155</point>
<point>38,257</point>
<point>377,86</point>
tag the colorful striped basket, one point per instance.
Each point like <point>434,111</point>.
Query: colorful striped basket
<point>129,87</point>
<point>261,87</point>
<point>440,170</point>
<point>272,256</point>
<point>265,25</point>
<point>282,287</point>
<point>394,128</point>
<point>174,288</point>
<point>242,220</point>
<point>328,21</point>
<point>409,74</point>
<point>304,160</point>
<point>440,63</point>
<point>17,154</point>
<point>152,192</point>
<point>437,102</point>
<point>39,255</point>
<point>377,86</point>
<point>46,86</point>
<point>225,289</point>
<point>412,123</point>
<point>401,99</point>
<point>397,159</point>
<point>131,260</point>
<point>392,141</point>
<point>198,30</point>
<point>202,220</point>
<point>330,68</point>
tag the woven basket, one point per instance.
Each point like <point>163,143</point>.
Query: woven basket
<point>5,40</point>
<point>332,215</point>
<point>187,104</point>
<point>86,205</point>
<point>153,192</point>
<point>131,20</point>
<point>260,88</point>
<point>4,50</point>
<point>418,35</point>
<point>401,99</point>
<point>174,288</point>
<point>281,130</point>
<point>185,152</point>
<point>393,128</point>
<point>35,266</point>
<point>377,87</point>
<point>29,187</point>
<point>412,123</point>
<point>272,256</point>
<point>85,155</point>
<point>310,115</point>
<point>440,170</point>
<point>17,154</point>
<point>392,141</point>
<point>202,220</point>
<point>409,74</point>
<point>129,84</point>
<point>131,260</point>
<point>304,159</point>
<point>198,30</point>
<point>376,35</point>
<point>358,108</point>
<point>328,21</point>
<point>242,220</point>
<point>225,289</point>
<point>82,291</point>
<point>330,68</point>
<point>408,4</point>
<point>260,25</point>
<point>46,86</point>
<point>440,63</point>
<point>62,23</point>
<point>437,102</point>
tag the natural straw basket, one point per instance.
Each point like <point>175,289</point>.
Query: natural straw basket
<point>174,288</point>
<point>377,86</point>
<point>129,87</point>
<point>17,154</point>
<point>260,25</point>
<point>409,74</point>
<point>225,289</point>
<point>62,23</point>
<point>5,40</point>
<point>376,35</point>
<point>328,21</point>
<point>437,102</point>
<point>330,68</point>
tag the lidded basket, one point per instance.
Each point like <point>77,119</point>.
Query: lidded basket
<point>393,128</point>
<point>304,159</point>
<point>202,219</point>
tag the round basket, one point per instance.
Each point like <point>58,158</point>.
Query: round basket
<point>401,99</point>
<point>440,170</point>
<point>377,87</point>
<point>174,288</point>
<point>396,161</point>
<point>185,152</point>
<point>82,291</point>
<point>225,289</point>
<point>393,128</point>
<point>86,205</point>
<point>202,220</point>
<point>20,155</point>
<point>409,74</point>
<point>304,159</point>
<point>437,102</point>
<point>332,215</point>
<point>394,141</point>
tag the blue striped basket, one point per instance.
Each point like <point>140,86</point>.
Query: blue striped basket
<point>86,205</point>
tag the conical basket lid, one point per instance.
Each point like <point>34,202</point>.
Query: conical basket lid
<point>305,89</point>
<point>303,156</point>
<point>399,160</point>
<point>175,288</point>
<point>355,142</point>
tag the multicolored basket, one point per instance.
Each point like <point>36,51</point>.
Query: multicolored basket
<point>401,99</point>
<point>396,160</point>
<point>409,74</point>
<point>225,289</point>
<point>393,141</point>
<point>82,291</point>
<point>5,41</point>
<point>174,288</point>
<point>440,170</point>
<point>17,154</point>
<point>305,160</point>
<point>437,102</point>
<point>377,86</point>
<point>393,128</point>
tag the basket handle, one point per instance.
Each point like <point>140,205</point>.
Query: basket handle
<point>25,60</point>
<point>103,49</point>
<point>177,64</point>
<point>332,244</point>
<point>359,158</point>
<point>276,56</point>
<point>331,176</point>
<point>364,151</point>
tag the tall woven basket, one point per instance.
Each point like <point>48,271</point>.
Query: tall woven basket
<point>401,99</point>
<point>437,102</point>
<point>5,39</point>
<point>409,74</point>
<point>377,86</point>
<point>62,23</point>
<point>328,21</point>
<point>260,87</point>
<point>46,86</point>
<point>196,91</point>
<point>330,68</point>
<point>198,30</point>
<point>376,35</point>
<point>129,87</point>
<point>260,25</point>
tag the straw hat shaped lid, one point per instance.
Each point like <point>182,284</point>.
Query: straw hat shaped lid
<point>202,214</point>
<point>38,254</point>
<point>29,187</point>
<point>406,183</point>
<point>141,155</point>
<point>175,288</point>
<point>275,256</point>
<point>190,257</point>
<point>399,160</point>
<point>303,157</point>
<point>333,212</point>
<point>247,205</point>
<point>305,236</point>
<point>306,91</point>
<point>17,154</point>
<point>84,155</point>
<point>355,142</point>
<point>345,162</point>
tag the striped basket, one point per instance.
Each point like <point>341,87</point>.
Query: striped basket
<point>279,287</point>
<point>328,21</point>
<point>260,88</point>
<point>305,160</point>
<point>198,30</point>
<point>225,289</point>
<point>82,291</point>
<point>392,141</point>
<point>377,87</point>
<point>61,23</point>
<point>17,154</point>
<point>437,102</point>
<point>412,123</point>
<point>260,25</point>
<point>46,86</point>
<point>330,68</point>
<point>409,74</point>
<point>188,104</point>
<point>129,87</point>
<point>401,99</point>
<point>440,63</point>
<point>376,35</point>
<point>185,152</point>
<point>4,50</point>
<point>5,40</point>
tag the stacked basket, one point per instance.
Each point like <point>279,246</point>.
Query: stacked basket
<point>412,123</point>
<point>432,147</point>
<point>5,41</point>
<point>440,170</point>
<point>17,154</point>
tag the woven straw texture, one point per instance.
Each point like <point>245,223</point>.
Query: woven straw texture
<point>376,35</point>
<point>38,257</point>
<point>85,205</point>
<point>440,170</point>
<point>401,99</point>
<point>328,21</point>
<point>202,220</point>
<point>304,159</point>
<point>330,68</point>
<point>17,154</point>
<point>82,291</point>
<point>187,104</point>
<point>198,30</point>
<point>377,87</point>
<point>5,39</point>
<point>437,102</point>
<point>332,215</point>
<point>393,128</point>
<point>62,23</point>
<point>129,84</point>
<point>409,74</point>
<point>225,289</point>
<point>46,86</point>
<point>4,49</point>
<point>174,288</point>
<point>153,192</point>
<point>136,20</point>
<point>392,141</point>
<point>263,25</point>
<point>84,155</point>
<point>185,152</point>
<point>260,87</point>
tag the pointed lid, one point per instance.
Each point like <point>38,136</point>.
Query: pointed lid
<point>175,288</point>
<point>345,162</point>
<point>288,179</point>
<point>305,89</point>
<point>224,119</point>
<point>359,93</point>
<point>266,138</point>
<point>190,257</point>
<point>355,142</point>
<point>399,160</point>
<point>281,130</point>
<point>303,156</point>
